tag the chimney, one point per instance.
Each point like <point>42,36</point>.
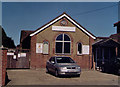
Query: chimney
<point>118,26</point>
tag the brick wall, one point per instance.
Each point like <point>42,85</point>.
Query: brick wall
<point>0,67</point>
<point>33,54</point>
<point>91,56</point>
<point>39,60</point>
<point>3,63</point>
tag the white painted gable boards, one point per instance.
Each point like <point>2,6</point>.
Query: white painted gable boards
<point>60,17</point>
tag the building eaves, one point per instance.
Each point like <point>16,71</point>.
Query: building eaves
<point>57,19</point>
<point>24,34</point>
<point>117,23</point>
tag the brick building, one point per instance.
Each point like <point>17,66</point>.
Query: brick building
<point>62,36</point>
<point>106,50</point>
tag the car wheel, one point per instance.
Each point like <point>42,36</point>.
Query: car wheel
<point>78,75</point>
<point>47,70</point>
<point>56,73</point>
<point>118,71</point>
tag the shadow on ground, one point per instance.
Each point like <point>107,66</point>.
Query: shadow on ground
<point>111,71</point>
<point>7,80</point>
<point>63,76</point>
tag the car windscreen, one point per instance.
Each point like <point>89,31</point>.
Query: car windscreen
<point>64,60</point>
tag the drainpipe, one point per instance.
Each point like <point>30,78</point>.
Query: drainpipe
<point>96,58</point>
<point>102,55</point>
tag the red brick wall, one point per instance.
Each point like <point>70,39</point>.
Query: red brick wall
<point>3,64</point>
<point>0,67</point>
<point>39,60</point>
<point>91,61</point>
<point>33,58</point>
<point>36,60</point>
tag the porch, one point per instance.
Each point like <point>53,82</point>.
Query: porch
<point>105,52</point>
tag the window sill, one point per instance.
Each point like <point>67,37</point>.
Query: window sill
<point>79,54</point>
<point>62,54</point>
<point>45,54</point>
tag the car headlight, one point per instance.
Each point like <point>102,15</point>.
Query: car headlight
<point>63,68</point>
<point>78,67</point>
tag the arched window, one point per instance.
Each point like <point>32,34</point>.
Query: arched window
<point>62,44</point>
<point>45,47</point>
<point>79,48</point>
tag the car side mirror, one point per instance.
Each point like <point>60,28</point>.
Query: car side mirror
<point>75,62</point>
<point>52,62</point>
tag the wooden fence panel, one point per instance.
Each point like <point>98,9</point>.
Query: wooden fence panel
<point>21,60</point>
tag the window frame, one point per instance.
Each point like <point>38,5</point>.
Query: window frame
<point>48,47</point>
<point>81,48</point>
<point>63,42</point>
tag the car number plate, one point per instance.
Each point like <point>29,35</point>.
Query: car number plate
<point>71,71</point>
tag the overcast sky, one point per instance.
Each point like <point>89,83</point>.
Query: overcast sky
<point>96,17</point>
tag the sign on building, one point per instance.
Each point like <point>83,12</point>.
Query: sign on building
<point>61,28</point>
<point>39,47</point>
<point>85,49</point>
<point>10,54</point>
<point>14,57</point>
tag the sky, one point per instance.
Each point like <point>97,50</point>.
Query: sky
<point>96,17</point>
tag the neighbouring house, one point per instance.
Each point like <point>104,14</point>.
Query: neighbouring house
<point>16,57</point>
<point>7,41</point>
<point>3,57</point>
<point>107,49</point>
<point>25,39</point>
<point>116,36</point>
<point>62,36</point>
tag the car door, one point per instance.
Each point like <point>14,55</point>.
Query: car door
<point>53,64</point>
<point>50,64</point>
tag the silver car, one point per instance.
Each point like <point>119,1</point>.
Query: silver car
<point>62,66</point>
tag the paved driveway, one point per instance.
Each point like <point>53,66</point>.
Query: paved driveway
<point>39,77</point>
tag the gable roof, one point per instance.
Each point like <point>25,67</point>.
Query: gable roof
<point>117,23</point>
<point>107,43</point>
<point>115,37</point>
<point>60,17</point>
<point>102,37</point>
<point>24,34</point>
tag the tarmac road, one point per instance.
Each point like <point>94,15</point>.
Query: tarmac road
<point>40,77</point>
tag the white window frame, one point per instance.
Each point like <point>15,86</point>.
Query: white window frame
<point>48,47</point>
<point>63,44</point>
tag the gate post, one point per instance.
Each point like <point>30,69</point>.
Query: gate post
<point>3,64</point>
<point>0,67</point>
